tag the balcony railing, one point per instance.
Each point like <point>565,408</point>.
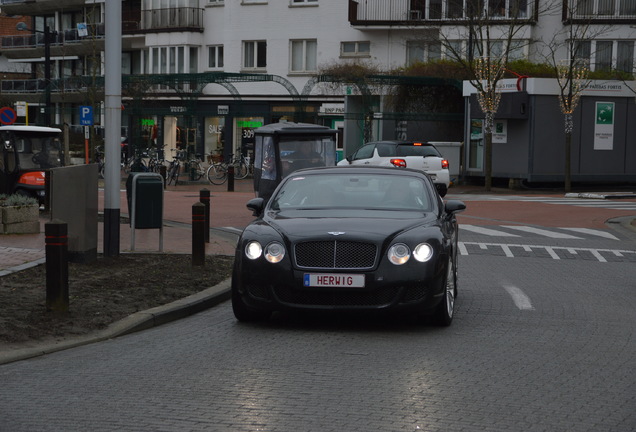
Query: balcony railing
<point>58,85</point>
<point>172,18</point>
<point>425,12</point>
<point>36,40</point>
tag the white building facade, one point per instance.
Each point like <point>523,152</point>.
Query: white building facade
<point>204,73</point>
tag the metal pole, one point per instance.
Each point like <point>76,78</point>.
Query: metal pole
<point>47,76</point>
<point>112,121</point>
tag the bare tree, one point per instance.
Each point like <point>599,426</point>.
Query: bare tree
<point>568,52</point>
<point>488,33</point>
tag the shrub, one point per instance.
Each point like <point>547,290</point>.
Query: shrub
<point>17,200</point>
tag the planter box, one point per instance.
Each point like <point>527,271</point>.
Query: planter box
<point>20,220</point>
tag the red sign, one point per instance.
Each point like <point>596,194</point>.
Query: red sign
<point>7,115</point>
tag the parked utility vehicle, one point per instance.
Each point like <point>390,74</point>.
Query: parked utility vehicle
<point>27,152</point>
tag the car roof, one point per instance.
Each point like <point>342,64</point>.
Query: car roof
<point>360,169</point>
<point>399,142</point>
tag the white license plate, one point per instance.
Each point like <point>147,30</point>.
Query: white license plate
<point>333,280</point>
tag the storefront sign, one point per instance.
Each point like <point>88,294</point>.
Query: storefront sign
<point>332,109</point>
<point>223,109</point>
<point>604,126</point>
<point>500,131</point>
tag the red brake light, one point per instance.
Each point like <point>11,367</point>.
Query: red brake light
<point>417,144</point>
<point>400,163</point>
<point>444,164</point>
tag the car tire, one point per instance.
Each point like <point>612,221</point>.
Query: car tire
<point>446,309</point>
<point>241,311</point>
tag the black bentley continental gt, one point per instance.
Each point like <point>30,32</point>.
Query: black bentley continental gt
<point>351,239</point>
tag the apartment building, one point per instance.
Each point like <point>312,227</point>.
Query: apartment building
<point>205,73</point>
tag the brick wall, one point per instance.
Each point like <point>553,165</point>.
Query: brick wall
<point>7,24</point>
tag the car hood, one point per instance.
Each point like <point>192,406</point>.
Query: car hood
<point>375,227</point>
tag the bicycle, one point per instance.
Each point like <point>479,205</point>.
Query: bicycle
<point>172,175</point>
<point>154,162</point>
<point>99,159</point>
<point>217,171</point>
<point>194,168</point>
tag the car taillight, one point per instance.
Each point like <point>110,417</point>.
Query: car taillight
<point>400,163</point>
<point>444,164</point>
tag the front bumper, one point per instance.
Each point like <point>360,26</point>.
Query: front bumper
<point>396,289</point>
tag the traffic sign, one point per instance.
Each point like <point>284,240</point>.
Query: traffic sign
<point>86,115</point>
<point>7,115</point>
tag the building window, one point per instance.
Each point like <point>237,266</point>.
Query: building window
<point>215,57</point>
<point>355,49</point>
<point>303,56</point>
<point>625,56</point>
<point>603,58</point>
<point>606,55</point>
<point>194,60</point>
<point>303,2</point>
<point>215,2</point>
<point>254,54</point>
<point>418,51</point>
<point>615,8</point>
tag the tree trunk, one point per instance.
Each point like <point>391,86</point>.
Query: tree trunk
<point>488,160</point>
<point>568,163</point>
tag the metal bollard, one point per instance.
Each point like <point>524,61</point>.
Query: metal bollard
<point>56,249</point>
<point>230,178</point>
<point>204,198</point>
<point>198,237</point>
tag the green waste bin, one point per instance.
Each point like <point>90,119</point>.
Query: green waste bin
<point>144,192</point>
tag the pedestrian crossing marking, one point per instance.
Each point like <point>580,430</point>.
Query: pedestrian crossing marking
<point>540,231</point>
<point>552,251</point>
<point>492,231</point>
<point>593,232</point>
<point>486,231</point>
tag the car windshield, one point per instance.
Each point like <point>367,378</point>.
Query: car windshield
<point>353,191</point>
<point>416,150</point>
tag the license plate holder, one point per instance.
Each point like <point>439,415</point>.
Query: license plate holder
<point>333,280</point>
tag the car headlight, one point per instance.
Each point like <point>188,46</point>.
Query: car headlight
<point>253,250</point>
<point>274,252</point>
<point>399,253</point>
<point>423,252</point>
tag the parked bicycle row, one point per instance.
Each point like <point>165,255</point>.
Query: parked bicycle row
<point>190,166</point>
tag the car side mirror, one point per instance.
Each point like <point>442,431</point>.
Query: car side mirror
<point>454,206</point>
<point>256,205</point>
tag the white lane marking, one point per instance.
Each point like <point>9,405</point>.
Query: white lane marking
<point>552,253</point>
<point>462,248</point>
<point>486,231</point>
<point>507,251</point>
<point>592,232</point>
<point>542,232</point>
<point>521,300</point>
<point>598,256</point>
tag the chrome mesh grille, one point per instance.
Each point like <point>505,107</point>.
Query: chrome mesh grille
<point>334,254</point>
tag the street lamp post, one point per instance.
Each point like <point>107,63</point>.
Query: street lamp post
<point>47,67</point>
